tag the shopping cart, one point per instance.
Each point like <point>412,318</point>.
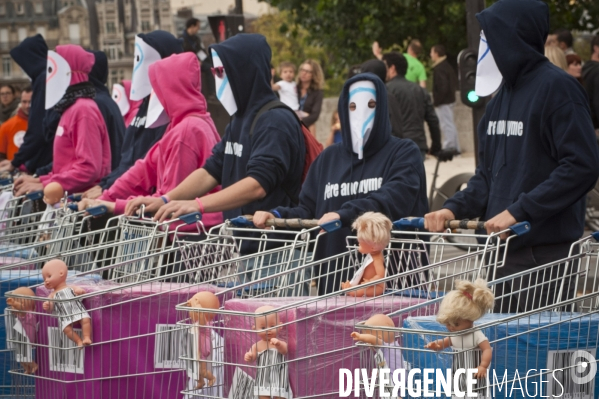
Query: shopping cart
<point>538,349</point>
<point>317,329</point>
<point>136,340</point>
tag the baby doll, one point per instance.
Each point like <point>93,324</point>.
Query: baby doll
<point>374,233</point>
<point>458,311</point>
<point>55,275</point>
<point>272,378</point>
<point>53,193</point>
<point>387,353</point>
<point>21,308</point>
<point>203,300</point>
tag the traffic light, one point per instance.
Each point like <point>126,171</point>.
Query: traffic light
<point>467,60</point>
<point>225,26</point>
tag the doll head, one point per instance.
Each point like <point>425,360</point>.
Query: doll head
<point>467,303</point>
<point>266,325</point>
<point>53,193</point>
<point>21,304</point>
<point>373,231</point>
<point>203,300</point>
<point>380,320</point>
<point>55,274</point>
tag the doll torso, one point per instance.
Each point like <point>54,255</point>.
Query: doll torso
<point>69,311</point>
<point>272,375</point>
<point>468,341</point>
<point>468,359</point>
<point>366,271</point>
<point>204,340</point>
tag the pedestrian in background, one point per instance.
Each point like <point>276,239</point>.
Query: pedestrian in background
<point>13,130</point>
<point>310,85</point>
<point>557,57</point>
<point>574,66</point>
<point>445,84</point>
<point>590,76</point>
<point>8,102</point>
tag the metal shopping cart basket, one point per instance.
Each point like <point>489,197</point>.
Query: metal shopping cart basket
<point>317,329</point>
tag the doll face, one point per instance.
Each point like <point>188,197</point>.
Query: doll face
<point>459,325</point>
<point>52,277</point>
<point>266,326</point>
<point>366,247</point>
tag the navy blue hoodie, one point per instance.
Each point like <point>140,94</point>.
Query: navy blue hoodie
<point>537,151</point>
<point>389,179</point>
<point>139,139</point>
<point>275,153</point>
<point>32,55</point>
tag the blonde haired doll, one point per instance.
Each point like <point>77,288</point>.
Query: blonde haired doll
<point>374,233</point>
<point>458,311</point>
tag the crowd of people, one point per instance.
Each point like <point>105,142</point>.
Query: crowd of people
<point>154,144</point>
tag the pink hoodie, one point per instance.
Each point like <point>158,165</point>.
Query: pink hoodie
<point>133,104</point>
<point>81,145</point>
<point>186,144</point>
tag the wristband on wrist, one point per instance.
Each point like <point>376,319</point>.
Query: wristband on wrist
<point>199,201</point>
<point>164,198</point>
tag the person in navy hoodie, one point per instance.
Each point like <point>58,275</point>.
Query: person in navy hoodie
<point>537,152</point>
<point>380,173</point>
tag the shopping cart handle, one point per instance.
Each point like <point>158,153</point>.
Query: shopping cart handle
<point>595,236</point>
<point>191,218</point>
<point>329,227</point>
<point>97,210</point>
<point>36,195</point>
<point>74,197</point>
<point>520,228</point>
<point>409,223</point>
<point>73,207</point>
<point>418,223</point>
<point>5,182</point>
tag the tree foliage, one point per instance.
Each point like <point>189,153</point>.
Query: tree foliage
<point>347,28</point>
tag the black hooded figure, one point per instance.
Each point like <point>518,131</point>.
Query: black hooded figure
<point>138,139</point>
<point>538,155</point>
<point>32,56</point>
<point>389,179</point>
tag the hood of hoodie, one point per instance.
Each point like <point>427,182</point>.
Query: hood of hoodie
<point>31,55</point>
<point>381,129</point>
<point>246,59</point>
<point>99,73</point>
<point>164,42</point>
<point>516,31</point>
<point>80,61</point>
<point>179,93</point>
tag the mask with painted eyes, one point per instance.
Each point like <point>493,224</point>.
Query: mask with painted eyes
<point>156,114</point>
<point>224,93</point>
<point>58,78</point>
<point>488,76</point>
<point>362,107</point>
<point>119,95</point>
<point>144,56</point>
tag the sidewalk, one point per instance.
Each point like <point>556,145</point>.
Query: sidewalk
<point>461,164</point>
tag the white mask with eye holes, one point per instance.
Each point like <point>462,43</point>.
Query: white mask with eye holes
<point>144,56</point>
<point>58,78</point>
<point>119,95</point>
<point>362,107</point>
<point>157,115</point>
<point>488,76</point>
<point>224,93</point>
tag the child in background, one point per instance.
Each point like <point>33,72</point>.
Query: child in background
<point>335,136</point>
<point>287,87</point>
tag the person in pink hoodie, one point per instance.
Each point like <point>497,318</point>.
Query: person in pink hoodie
<point>81,146</point>
<point>185,146</point>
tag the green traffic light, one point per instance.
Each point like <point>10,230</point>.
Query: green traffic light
<point>472,97</point>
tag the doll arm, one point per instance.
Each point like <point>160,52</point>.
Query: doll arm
<point>49,305</point>
<point>250,355</point>
<point>439,344</point>
<point>485,360</point>
<point>78,290</point>
<point>280,345</point>
<point>367,338</point>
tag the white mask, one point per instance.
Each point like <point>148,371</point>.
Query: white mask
<point>145,55</point>
<point>488,76</point>
<point>224,93</point>
<point>156,114</point>
<point>119,95</point>
<point>58,78</point>
<point>361,119</point>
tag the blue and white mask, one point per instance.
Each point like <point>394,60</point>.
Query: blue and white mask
<point>224,93</point>
<point>362,106</point>
<point>488,76</point>
<point>157,115</point>
<point>144,56</point>
<point>119,95</point>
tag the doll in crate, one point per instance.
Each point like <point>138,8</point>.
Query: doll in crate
<point>202,333</point>
<point>25,327</point>
<point>374,233</point>
<point>270,353</point>
<point>53,194</point>
<point>458,311</point>
<point>71,309</point>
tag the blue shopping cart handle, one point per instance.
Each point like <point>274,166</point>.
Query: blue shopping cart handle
<point>241,221</point>
<point>6,182</point>
<point>74,197</point>
<point>520,228</point>
<point>191,218</point>
<point>595,235</point>
<point>97,210</point>
<point>409,223</point>
<point>36,195</point>
<point>73,207</point>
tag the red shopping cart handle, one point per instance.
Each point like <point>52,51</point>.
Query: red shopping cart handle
<point>293,224</point>
<point>418,223</point>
